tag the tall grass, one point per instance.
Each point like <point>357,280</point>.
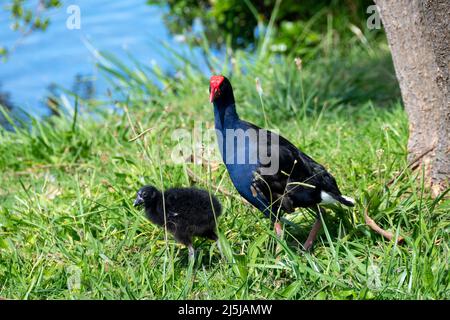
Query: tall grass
<point>68,228</point>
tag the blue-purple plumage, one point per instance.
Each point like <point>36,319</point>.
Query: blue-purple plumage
<point>299,181</point>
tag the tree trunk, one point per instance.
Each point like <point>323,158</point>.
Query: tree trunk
<point>418,33</point>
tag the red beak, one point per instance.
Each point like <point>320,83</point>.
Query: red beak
<point>214,85</point>
<point>212,95</point>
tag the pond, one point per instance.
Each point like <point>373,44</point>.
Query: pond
<point>60,55</point>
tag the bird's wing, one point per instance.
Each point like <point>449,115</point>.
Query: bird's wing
<point>317,175</point>
<point>187,205</point>
<point>297,172</point>
<point>172,205</point>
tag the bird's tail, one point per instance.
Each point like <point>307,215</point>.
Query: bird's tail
<point>330,198</point>
<point>349,202</point>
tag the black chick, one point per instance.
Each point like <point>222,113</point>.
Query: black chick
<point>188,212</point>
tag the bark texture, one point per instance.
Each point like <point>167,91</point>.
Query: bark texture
<point>418,33</point>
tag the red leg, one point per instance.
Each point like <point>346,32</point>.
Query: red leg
<point>313,234</point>
<point>314,231</point>
<point>278,229</point>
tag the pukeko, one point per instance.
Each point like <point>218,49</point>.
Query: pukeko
<point>186,212</point>
<point>266,169</point>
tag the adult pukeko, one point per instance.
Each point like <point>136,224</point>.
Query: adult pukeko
<point>266,169</point>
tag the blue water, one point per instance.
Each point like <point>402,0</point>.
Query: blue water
<point>59,54</point>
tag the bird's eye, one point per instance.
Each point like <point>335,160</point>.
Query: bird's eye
<point>144,194</point>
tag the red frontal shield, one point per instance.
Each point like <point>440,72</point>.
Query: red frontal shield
<point>214,85</point>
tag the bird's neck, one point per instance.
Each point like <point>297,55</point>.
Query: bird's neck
<point>225,114</point>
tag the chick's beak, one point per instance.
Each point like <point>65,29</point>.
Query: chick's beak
<point>138,201</point>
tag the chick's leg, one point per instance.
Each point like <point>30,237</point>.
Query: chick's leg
<point>191,252</point>
<point>186,239</point>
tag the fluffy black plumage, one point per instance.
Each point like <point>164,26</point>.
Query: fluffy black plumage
<point>188,212</point>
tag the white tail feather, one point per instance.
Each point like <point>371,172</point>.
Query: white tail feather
<point>349,199</point>
<point>327,198</point>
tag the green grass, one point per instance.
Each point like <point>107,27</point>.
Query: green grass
<point>67,187</point>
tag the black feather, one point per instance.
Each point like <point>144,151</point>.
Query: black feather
<point>186,212</point>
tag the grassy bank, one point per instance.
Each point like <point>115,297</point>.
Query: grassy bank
<point>68,228</point>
